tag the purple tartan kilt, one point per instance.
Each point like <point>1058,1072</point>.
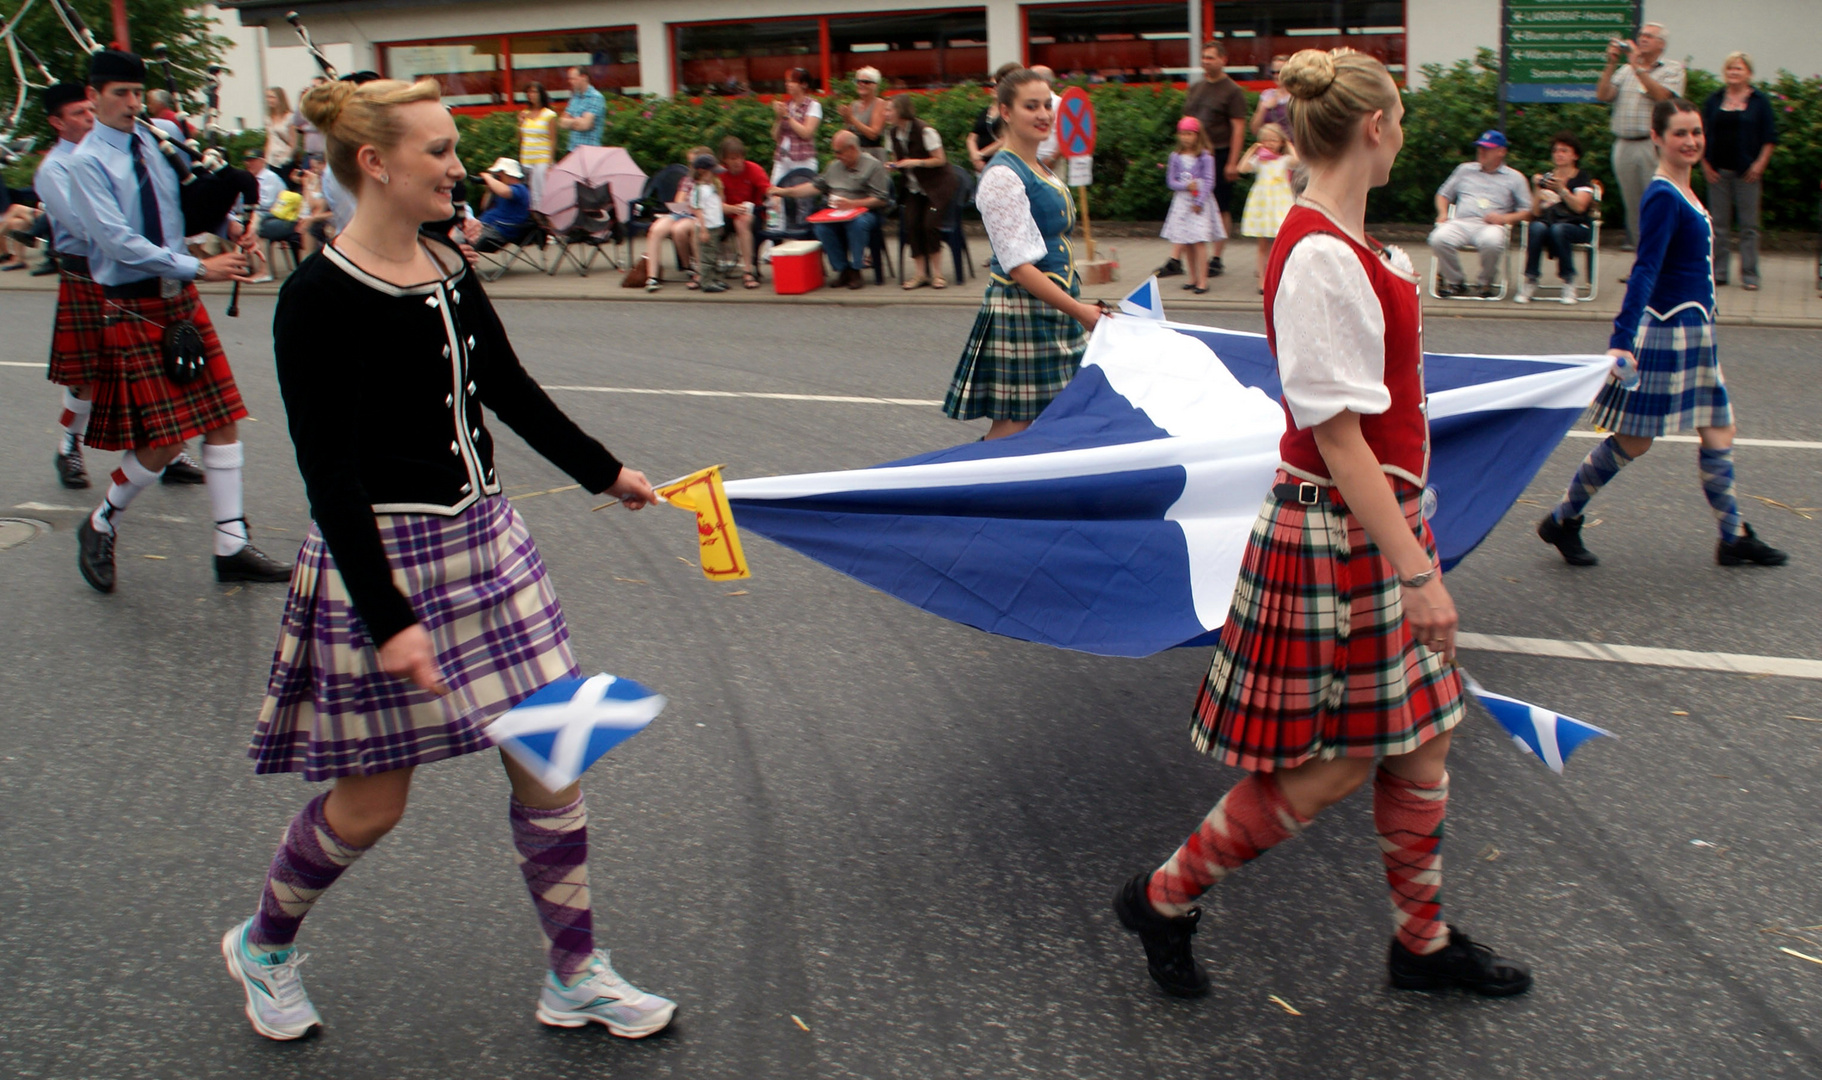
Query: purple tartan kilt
<point>480,589</point>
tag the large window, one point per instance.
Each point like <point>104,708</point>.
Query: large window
<point>747,57</point>
<point>1110,42</point>
<point>1255,30</point>
<point>912,52</point>
<point>491,72</point>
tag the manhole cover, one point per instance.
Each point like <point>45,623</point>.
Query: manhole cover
<point>15,532</point>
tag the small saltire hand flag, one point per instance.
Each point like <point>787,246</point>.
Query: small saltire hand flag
<point>1145,301</point>
<point>1551,736</point>
<point>564,728</point>
<point>701,491</point>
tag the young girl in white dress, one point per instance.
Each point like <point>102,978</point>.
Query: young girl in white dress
<point>1270,160</point>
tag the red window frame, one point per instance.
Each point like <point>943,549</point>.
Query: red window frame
<point>825,62</point>
<point>505,46</point>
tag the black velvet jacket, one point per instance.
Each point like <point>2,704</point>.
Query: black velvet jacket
<point>383,388</point>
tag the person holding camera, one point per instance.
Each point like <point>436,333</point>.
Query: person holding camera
<point>1562,202</point>
<point>1635,79</point>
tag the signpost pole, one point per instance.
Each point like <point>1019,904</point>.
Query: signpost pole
<point>1081,198</point>
<point>1505,53</point>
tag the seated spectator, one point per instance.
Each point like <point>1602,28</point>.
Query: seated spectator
<point>508,210</point>
<point>743,184</point>
<point>1561,216</point>
<point>678,224</point>
<point>852,181</point>
<point>1487,195</point>
<point>19,213</point>
<point>316,219</point>
<point>271,186</point>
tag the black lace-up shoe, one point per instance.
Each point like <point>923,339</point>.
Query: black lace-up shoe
<point>1566,537</point>
<point>95,556</point>
<point>1166,940</point>
<point>250,564</point>
<point>1749,549</point>
<point>1461,964</point>
<point>1215,267</point>
<point>1171,268</point>
<point>71,472</point>
<point>184,470</point>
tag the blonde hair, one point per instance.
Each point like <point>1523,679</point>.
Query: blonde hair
<point>1329,92</point>
<point>1274,129</point>
<point>1743,58</point>
<point>351,116</point>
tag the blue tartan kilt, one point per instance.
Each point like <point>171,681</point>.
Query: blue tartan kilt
<point>1680,385</point>
<point>1020,354</point>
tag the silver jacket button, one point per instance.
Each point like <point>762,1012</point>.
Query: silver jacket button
<point>471,341</point>
<point>448,400</point>
<point>455,448</point>
<point>466,488</point>
<point>471,388</point>
<point>445,352</point>
<point>475,433</point>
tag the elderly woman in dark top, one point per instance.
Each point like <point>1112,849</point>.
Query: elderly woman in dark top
<point>1562,204</point>
<point>1741,134</point>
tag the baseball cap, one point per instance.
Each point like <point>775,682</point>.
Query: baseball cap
<point>1492,138</point>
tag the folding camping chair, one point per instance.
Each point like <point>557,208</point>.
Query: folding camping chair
<point>526,247</point>
<point>597,226</point>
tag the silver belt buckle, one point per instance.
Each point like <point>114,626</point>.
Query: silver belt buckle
<point>170,288</point>
<point>1308,494</point>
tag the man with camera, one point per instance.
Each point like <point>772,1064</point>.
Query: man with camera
<point>1635,79</point>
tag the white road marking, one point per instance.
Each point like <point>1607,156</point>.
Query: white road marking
<point>1776,444</point>
<point>1733,663</point>
<point>20,363</point>
<point>834,399</point>
<point>47,508</point>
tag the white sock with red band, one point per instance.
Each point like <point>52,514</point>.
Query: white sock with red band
<point>129,480</point>
<point>221,464</point>
<point>74,421</point>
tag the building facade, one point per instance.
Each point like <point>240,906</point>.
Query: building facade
<point>485,52</point>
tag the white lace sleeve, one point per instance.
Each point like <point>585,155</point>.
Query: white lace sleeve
<point>1006,211</point>
<point>1330,332</point>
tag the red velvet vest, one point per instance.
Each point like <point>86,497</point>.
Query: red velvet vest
<point>1400,436</point>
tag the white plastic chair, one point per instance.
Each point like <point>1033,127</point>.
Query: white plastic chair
<point>1502,284</point>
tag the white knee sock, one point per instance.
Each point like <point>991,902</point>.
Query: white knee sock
<point>221,464</point>
<point>74,421</point>
<point>129,480</point>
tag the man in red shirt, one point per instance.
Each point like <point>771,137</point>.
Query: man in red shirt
<point>743,185</point>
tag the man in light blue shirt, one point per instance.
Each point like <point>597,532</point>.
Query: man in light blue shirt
<point>1487,196</point>
<point>161,377</point>
<point>76,333</point>
<point>585,117</point>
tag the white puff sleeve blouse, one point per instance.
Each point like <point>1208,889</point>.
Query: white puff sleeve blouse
<point>1330,333</point>
<point>1006,211</point>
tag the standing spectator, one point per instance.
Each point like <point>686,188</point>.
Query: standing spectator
<point>709,221</point>
<point>743,187</point>
<point>1561,205</point>
<point>1219,105</point>
<point>916,152</point>
<point>160,105</point>
<point>853,181</point>
<point>281,130</point>
<point>585,116</point>
<point>986,138</point>
<point>1487,195</point>
<point>306,140</point>
<point>863,114</point>
<point>1190,175</point>
<point>1635,88</point>
<point>1274,101</point>
<point>1047,149</point>
<point>317,220</point>
<point>537,139</point>
<point>1270,160</point>
<point>794,130</point>
<point>1741,136</point>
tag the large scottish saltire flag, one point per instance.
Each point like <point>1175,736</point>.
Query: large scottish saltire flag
<point>1115,524</point>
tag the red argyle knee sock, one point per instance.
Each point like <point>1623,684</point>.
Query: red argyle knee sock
<point>129,479</point>
<point>74,421</point>
<point>1250,818</point>
<point>553,856</point>
<point>1409,818</point>
<point>307,863</point>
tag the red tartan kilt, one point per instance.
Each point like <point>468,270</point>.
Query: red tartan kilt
<point>1316,660</point>
<point>76,335</point>
<point>135,404</point>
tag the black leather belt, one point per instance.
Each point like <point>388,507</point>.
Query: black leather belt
<point>1306,493</point>
<point>1632,138</point>
<point>73,264</point>
<point>149,289</point>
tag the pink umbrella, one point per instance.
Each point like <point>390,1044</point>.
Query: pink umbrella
<point>592,165</point>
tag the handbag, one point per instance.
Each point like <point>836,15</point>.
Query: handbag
<point>185,356</point>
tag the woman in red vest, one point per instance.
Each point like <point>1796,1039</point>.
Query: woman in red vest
<point>1338,652</point>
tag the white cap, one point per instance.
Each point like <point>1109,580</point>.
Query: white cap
<point>867,74</point>
<point>509,167</point>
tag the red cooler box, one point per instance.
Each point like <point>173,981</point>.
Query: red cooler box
<point>796,267</point>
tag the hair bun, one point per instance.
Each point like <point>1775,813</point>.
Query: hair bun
<point>322,105</point>
<point>1308,74</point>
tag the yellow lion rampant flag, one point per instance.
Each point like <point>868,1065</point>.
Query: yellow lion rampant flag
<point>701,491</point>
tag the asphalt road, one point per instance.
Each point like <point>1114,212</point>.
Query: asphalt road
<point>902,832</point>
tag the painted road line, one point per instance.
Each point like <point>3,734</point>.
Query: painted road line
<point>1776,444</point>
<point>1733,663</point>
<point>48,508</point>
<point>21,363</point>
<point>833,399</point>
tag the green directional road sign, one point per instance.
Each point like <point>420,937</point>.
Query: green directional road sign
<point>1554,50</point>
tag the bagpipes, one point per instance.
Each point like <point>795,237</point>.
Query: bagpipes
<point>303,34</point>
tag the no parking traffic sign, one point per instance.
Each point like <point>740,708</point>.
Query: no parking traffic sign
<point>1075,123</point>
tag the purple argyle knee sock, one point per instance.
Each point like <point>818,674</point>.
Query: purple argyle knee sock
<point>553,856</point>
<point>307,863</point>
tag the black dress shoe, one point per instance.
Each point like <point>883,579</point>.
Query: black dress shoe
<point>184,470</point>
<point>71,472</point>
<point>1215,268</point>
<point>1461,964</point>
<point>1167,954</point>
<point>1749,549</point>
<point>1171,268</point>
<point>1566,537</point>
<point>95,555</point>
<point>250,564</point>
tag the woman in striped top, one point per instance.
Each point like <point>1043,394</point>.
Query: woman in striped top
<point>537,139</point>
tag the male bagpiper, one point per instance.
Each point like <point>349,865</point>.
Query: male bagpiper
<point>146,400</point>
<point>76,333</point>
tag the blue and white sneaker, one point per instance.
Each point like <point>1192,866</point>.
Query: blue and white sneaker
<point>276,1002</point>
<point>604,998</point>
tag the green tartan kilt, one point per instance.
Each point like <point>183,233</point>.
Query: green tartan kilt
<point>1021,353</point>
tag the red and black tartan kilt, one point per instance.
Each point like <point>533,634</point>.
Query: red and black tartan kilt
<point>76,335</point>
<point>1316,660</point>
<point>135,404</point>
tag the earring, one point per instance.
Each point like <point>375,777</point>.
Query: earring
<point>385,178</point>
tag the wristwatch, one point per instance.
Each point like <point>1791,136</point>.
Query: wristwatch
<point>1417,581</point>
